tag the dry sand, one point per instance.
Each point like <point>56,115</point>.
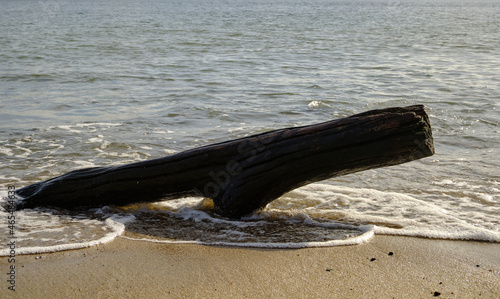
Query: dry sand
<point>418,268</point>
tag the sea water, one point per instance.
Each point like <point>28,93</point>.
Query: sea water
<point>91,83</point>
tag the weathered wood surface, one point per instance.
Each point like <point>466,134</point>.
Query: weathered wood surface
<point>246,174</point>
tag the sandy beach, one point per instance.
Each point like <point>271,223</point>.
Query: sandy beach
<point>385,267</point>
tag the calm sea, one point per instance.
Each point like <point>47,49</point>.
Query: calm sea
<point>99,83</point>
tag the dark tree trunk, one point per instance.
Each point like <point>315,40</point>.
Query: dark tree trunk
<point>245,174</point>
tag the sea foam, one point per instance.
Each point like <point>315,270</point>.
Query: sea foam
<point>317,215</point>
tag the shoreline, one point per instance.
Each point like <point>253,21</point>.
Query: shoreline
<point>384,267</point>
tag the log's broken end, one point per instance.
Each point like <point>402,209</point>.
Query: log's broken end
<point>373,139</point>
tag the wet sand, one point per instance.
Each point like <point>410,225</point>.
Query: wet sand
<point>385,267</point>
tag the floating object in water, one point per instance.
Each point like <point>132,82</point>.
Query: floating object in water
<point>245,174</point>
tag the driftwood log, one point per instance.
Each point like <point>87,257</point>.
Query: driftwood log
<point>245,174</point>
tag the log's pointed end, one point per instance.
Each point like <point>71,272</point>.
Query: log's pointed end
<point>26,197</point>
<point>11,206</point>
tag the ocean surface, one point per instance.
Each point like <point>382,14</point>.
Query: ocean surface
<point>99,83</point>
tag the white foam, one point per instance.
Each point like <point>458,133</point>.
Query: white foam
<point>99,124</point>
<point>314,104</point>
<point>34,228</point>
<point>398,213</point>
<point>187,222</point>
<point>159,131</point>
<point>6,151</point>
<point>169,151</point>
<point>77,128</point>
<point>323,214</point>
<point>363,238</point>
<point>15,151</point>
<point>85,164</point>
<point>359,234</point>
<point>486,198</point>
<point>116,227</point>
<point>237,129</point>
<point>185,208</point>
<point>177,204</point>
<point>97,139</point>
